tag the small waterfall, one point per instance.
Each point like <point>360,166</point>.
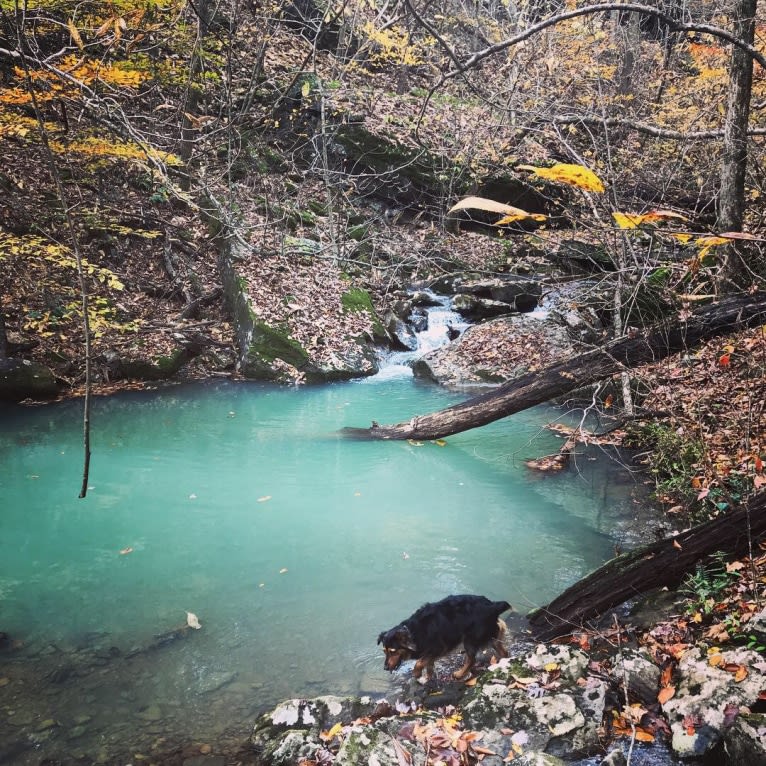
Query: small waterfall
<point>440,319</point>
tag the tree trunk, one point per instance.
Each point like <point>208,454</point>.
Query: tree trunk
<point>656,565</point>
<point>731,197</point>
<point>666,338</point>
<point>731,200</point>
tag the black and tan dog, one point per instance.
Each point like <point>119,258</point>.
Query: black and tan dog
<point>439,628</point>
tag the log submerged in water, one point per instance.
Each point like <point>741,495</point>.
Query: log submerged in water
<point>560,378</point>
<point>657,565</point>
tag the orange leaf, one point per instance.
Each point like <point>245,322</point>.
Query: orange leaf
<point>666,693</point>
<point>677,545</point>
<point>724,360</point>
<point>741,674</point>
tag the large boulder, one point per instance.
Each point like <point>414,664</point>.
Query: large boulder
<point>497,351</point>
<point>23,379</point>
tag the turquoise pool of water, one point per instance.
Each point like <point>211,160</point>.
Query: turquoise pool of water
<point>294,547</point>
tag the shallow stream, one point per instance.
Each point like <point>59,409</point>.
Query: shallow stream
<point>294,547</point>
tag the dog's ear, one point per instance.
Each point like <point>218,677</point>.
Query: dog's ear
<point>381,637</point>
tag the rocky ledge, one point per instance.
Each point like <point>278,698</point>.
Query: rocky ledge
<point>553,703</point>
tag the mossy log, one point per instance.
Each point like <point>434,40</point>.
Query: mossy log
<point>660,341</point>
<point>657,565</point>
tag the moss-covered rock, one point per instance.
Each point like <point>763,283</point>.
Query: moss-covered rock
<point>266,345</point>
<point>22,379</point>
<point>358,299</point>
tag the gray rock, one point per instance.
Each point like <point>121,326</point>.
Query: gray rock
<point>475,308</point>
<point>571,662</point>
<point>454,364</point>
<point>712,697</point>
<point>615,758</point>
<point>746,740</point>
<point>640,673</point>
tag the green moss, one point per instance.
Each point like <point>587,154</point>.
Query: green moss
<point>269,344</point>
<point>358,233</point>
<point>359,746</point>
<point>357,299</point>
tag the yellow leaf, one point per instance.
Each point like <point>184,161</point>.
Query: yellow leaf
<point>681,237</point>
<point>305,89</point>
<point>414,442</point>
<point>521,216</point>
<point>573,175</point>
<point>707,243</point>
<point>627,220</point>
<point>550,666</point>
<point>440,443</point>
<point>332,732</point>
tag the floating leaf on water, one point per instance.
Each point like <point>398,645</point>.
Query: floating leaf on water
<point>261,584</point>
<point>193,621</point>
<point>414,442</point>
<point>264,498</point>
<point>126,551</point>
<point>192,496</point>
<point>283,570</point>
<point>405,555</point>
<point>440,442</point>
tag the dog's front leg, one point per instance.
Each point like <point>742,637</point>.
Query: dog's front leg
<point>470,658</point>
<point>498,643</point>
<point>423,664</point>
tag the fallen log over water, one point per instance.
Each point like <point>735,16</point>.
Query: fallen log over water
<point>656,565</point>
<point>534,388</point>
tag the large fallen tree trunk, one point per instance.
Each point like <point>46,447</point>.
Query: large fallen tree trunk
<point>656,565</point>
<point>557,379</point>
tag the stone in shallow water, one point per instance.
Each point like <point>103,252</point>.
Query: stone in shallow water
<point>21,718</point>
<point>151,713</point>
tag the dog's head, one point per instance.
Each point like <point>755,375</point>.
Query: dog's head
<point>398,646</point>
